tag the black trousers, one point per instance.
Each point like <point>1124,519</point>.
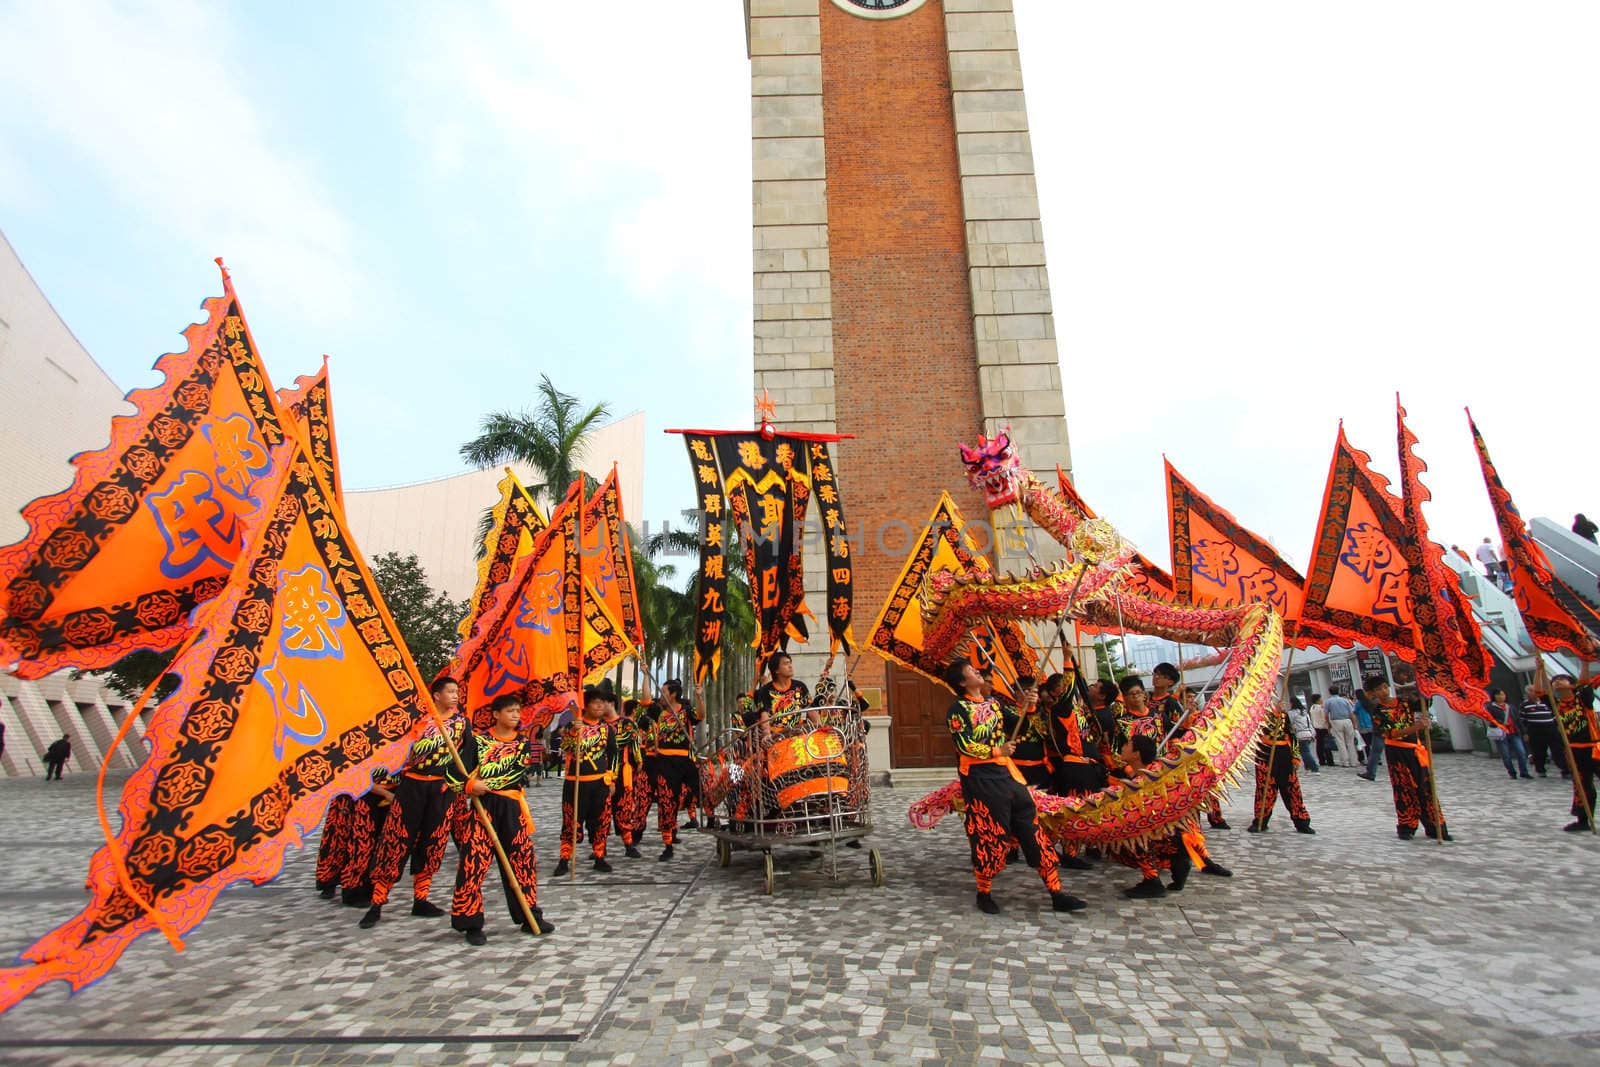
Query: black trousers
<point>1583,778</point>
<point>1544,745</point>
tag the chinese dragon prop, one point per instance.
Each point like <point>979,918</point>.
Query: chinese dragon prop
<point>1101,584</point>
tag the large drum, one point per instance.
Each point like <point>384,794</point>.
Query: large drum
<point>811,764</point>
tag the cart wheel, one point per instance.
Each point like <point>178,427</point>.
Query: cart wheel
<point>876,861</point>
<point>771,877</point>
<point>724,852</point>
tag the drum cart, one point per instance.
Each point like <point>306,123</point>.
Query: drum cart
<point>798,780</point>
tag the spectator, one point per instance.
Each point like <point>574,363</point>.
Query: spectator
<point>1540,733</point>
<point>1491,561</point>
<point>1342,721</point>
<point>1508,727</point>
<point>1584,526</point>
<point>55,758</point>
<point>1366,704</point>
<point>1319,723</point>
<point>1304,735</point>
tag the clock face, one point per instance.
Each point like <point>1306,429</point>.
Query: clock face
<point>880,9</point>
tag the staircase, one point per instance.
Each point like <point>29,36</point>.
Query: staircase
<point>925,778</point>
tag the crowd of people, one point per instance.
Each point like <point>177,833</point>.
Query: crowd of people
<point>1062,736</point>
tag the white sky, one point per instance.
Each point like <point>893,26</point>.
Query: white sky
<point>1260,218</point>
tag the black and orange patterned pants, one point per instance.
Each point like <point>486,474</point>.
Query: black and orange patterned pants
<point>1170,852</point>
<point>477,857</point>
<point>630,807</point>
<point>335,847</point>
<point>998,811</point>
<point>1413,791</point>
<point>586,805</point>
<point>1277,777</point>
<point>676,779</point>
<point>366,829</point>
<point>418,827</point>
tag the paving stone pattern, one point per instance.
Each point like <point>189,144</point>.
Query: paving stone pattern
<point>1344,948</point>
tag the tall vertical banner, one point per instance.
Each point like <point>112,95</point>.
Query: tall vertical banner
<point>153,522</point>
<point>760,483</point>
<point>836,547</point>
<point>295,685</point>
<point>711,588</point>
<point>1555,615</point>
<point>608,558</point>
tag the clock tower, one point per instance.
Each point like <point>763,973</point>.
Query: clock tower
<point>900,285</point>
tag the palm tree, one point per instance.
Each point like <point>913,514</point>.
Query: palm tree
<point>552,439</point>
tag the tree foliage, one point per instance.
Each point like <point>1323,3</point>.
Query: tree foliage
<point>552,438</point>
<point>427,620</point>
<point>132,674</point>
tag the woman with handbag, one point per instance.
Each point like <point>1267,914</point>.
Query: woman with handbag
<point>1506,733</point>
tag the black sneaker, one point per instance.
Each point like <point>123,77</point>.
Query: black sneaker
<point>632,852</point>
<point>563,869</point>
<point>371,918</point>
<point>1221,824</point>
<point>1148,889</point>
<point>987,905</point>
<point>1525,775</point>
<point>1216,870</point>
<point>1576,826</point>
<point>545,925</point>
<point>1256,828</point>
<point>1076,863</point>
<point>1405,833</point>
<point>1180,878</point>
<point>477,938</point>
<point>601,865</point>
<point>1368,777</point>
<point>1436,832</point>
<point>1066,902</point>
<point>690,825</point>
<point>426,909</point>
<point>1013,855</point>
<point>852,843</point>
<point>666,854</point>
<point>327,890</point>
<point>1304,827</point>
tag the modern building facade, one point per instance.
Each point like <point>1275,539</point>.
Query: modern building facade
<point>900,288</point>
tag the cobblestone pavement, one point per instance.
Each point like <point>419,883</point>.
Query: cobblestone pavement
<point>1347,947</point>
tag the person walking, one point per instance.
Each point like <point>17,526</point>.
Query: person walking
<point>55,758</point>
<point>1490,559</point>
<point>1303,736</point>
<point>1509,730</point>
<point>1342,721</point>
<point>1319,723</point>
<point>1541,735</point>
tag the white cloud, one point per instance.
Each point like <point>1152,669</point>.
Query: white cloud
<point>625,126</point>
<point>147,99</point>
<point>1263,217</point>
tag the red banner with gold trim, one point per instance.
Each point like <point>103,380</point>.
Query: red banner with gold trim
<point>295,686</point>
<point>1452,662</point>
<point>546,632</point>
<point>1555,615</point>
<point>153,522</point>
<point>1358,589</point>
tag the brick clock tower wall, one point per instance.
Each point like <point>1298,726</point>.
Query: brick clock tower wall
<point>900,286</point>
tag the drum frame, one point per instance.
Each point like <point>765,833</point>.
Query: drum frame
<point>752,820</point>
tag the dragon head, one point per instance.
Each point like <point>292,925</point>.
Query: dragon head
<point>994,469</point>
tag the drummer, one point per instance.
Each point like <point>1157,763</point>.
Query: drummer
<point>783,694</point>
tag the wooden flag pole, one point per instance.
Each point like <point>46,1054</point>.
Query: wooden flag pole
<point>1433,777</point>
